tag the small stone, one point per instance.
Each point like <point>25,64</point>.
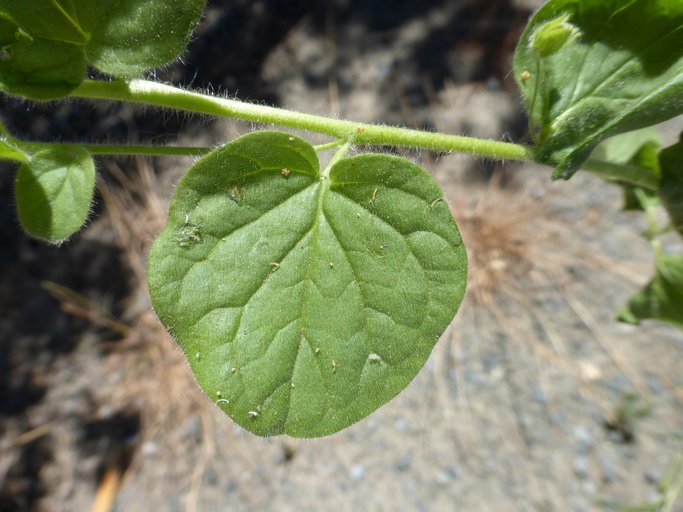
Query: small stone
<point>609,465</point>
<point>410,486</point>
<point>580,467</point>
<point>655,384</point>
<point>401,424</point>
<point>404,463</point>
<point>443,477</point>
<point>539,396</point>
<point>193,429</point>
<point>357,472</point>
<point>583,437</point>
<point>653,476</point>
<point>211,477</point>
<point>150,448</point>
<point>453,470</point>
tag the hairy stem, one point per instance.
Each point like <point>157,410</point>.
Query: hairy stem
<point>114,149</point>
<point>162,95</point>
<point>329,145</point>
<point>340,153</point>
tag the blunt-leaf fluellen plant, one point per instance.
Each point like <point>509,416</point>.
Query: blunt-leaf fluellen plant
<point>304,297</point>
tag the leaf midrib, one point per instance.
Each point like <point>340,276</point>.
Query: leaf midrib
<point>72,22</point>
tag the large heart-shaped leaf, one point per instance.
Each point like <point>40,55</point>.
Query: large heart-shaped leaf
<point>589,69</point>
<point>46,45</point>
<point>54,189</point>
<point>305,300</point>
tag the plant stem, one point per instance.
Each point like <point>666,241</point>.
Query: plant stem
<point>162,95</point>
<point>633,174</point>
<point>107,149</point>
<point>329,145</point>
<point>340,153</point>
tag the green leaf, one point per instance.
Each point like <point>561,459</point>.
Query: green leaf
<point>305,302</point>
<point>56,20</point>
<point>136,35</point>
<point>662,298</point>
<point>46,45</point>
<point>34,66</point>
<point>671,183</point>
<point>54,190</point>
<point>604,67</point>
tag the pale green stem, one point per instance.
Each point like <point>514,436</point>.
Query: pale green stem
<point>654,228</point>
<point>107,149</point>
<point>167,96</point>
<point>162,95</point>
<point>329,145</point>
<point>341,153</point>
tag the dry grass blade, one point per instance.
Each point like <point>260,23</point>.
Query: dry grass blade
<point>31,435</point>
<point>107,490</point>
<point>76,304</point>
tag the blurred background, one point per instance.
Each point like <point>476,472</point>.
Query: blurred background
<point>535,398</point>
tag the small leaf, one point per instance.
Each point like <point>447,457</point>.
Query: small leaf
<point>55,20</point>
<point>37,67</point>
<point>303,302</point>
<point>662,298</point>
<point>54,190</point>
<point>136,35</point>
<point>610,66</point>
<point>671,184</point>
